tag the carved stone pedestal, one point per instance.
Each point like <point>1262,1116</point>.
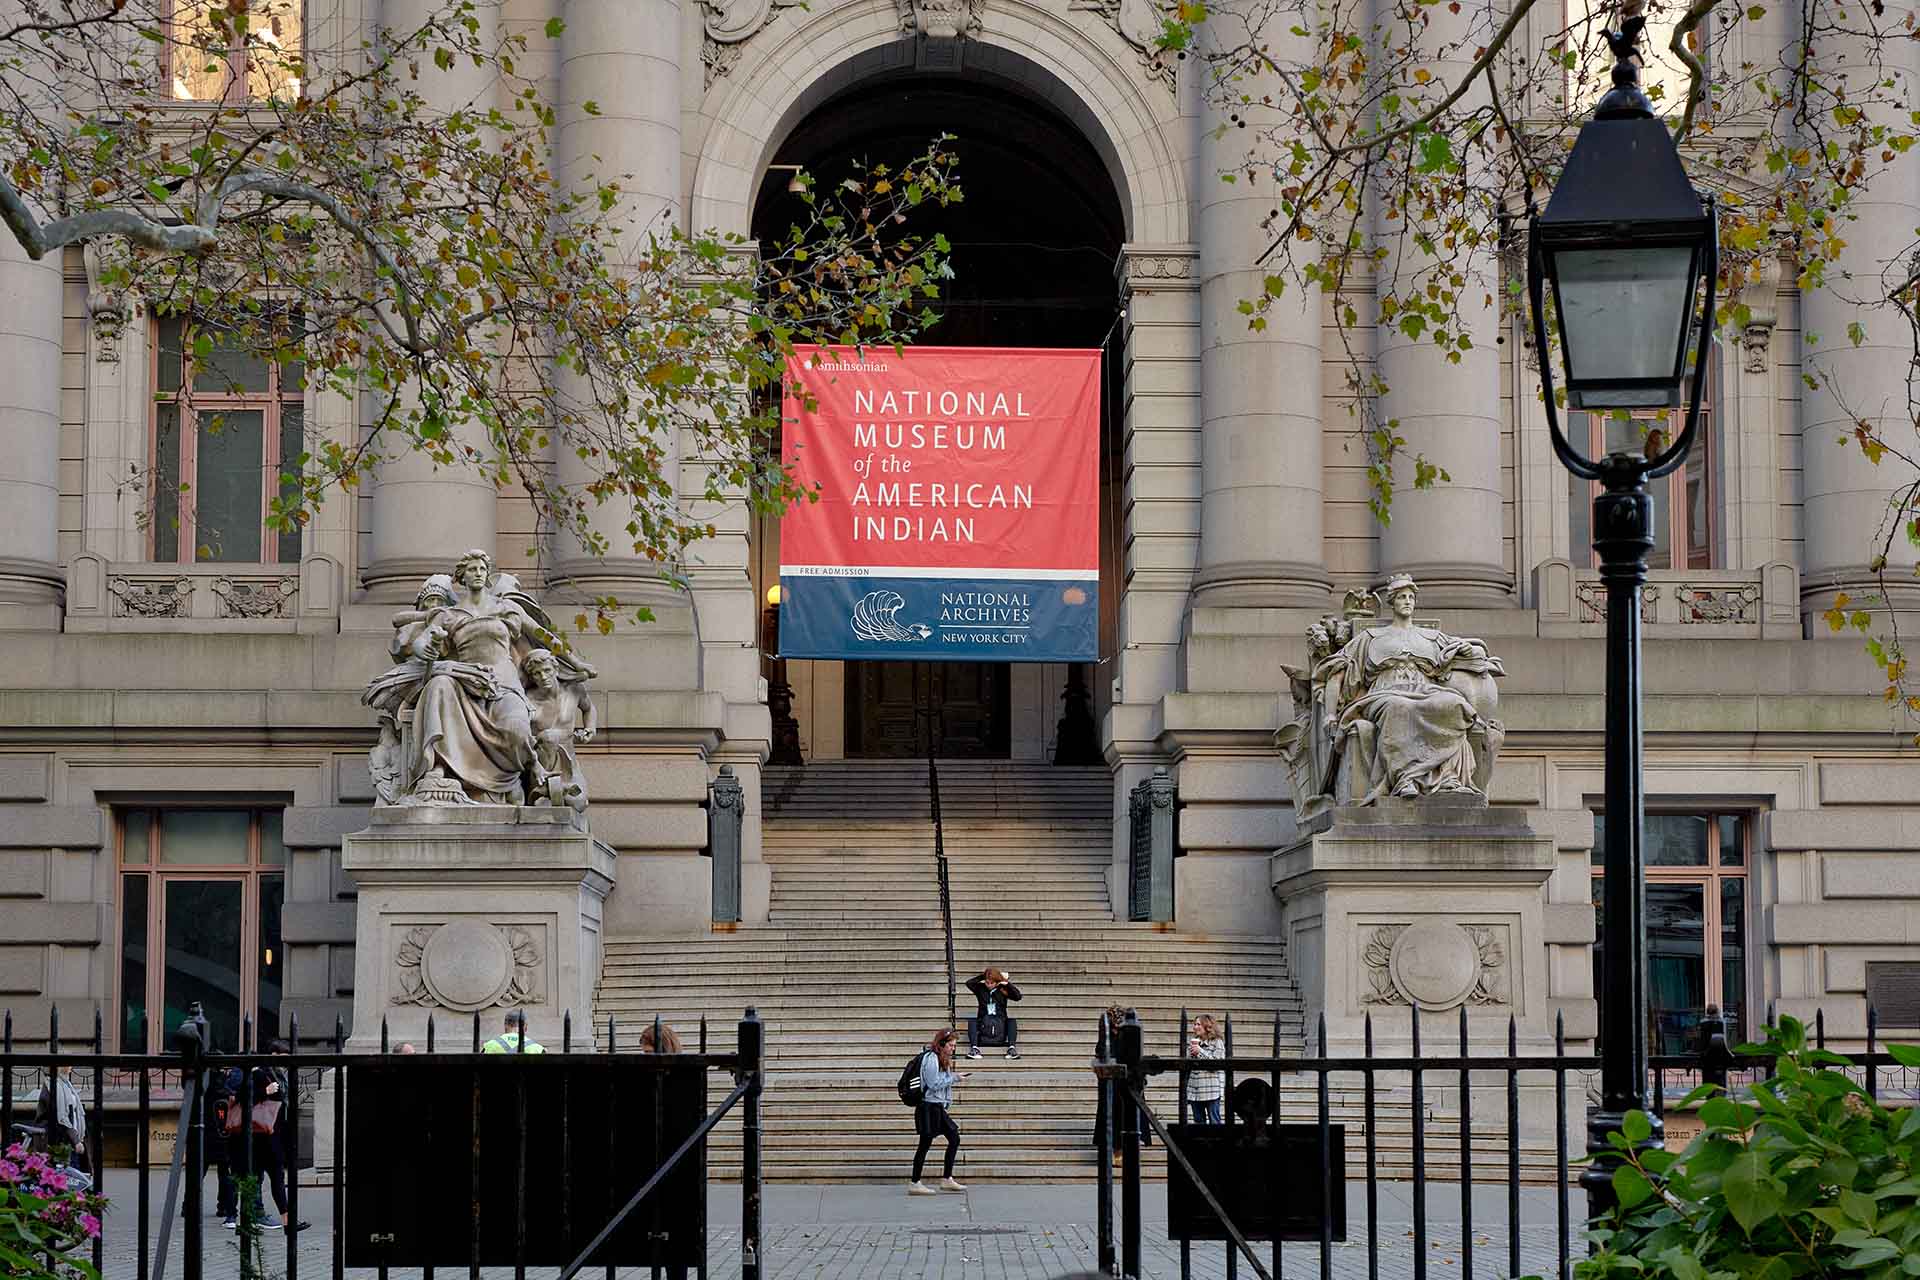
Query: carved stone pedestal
<point>475,908</point>
<point>1432,904</point>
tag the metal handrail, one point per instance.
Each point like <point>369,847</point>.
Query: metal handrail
<point>940,870</point>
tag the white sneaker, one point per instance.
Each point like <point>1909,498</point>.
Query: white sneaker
<point>948,1184</point>
<point>920,1189</point>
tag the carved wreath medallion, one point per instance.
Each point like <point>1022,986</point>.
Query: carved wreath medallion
<point>468,965</point>
<point>1434,965</point>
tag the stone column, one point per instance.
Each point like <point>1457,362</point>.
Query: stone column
<point>1449,536</point>
<point>1846,495</point>
<point>625,59</point>
<point>425,515</point>
<point>30,352</point>
<point>1260,506</point>
<point>1161,475</point>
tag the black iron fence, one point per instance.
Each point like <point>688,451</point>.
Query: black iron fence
<point>1466,1116</point>
<point>499,1153</point>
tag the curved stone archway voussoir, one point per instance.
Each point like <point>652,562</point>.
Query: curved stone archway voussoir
<point>1073,61</point>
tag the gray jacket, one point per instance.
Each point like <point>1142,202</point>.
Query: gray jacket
<point>938,1083</point>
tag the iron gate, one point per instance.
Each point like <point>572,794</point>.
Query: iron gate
<point>1302,1189</point>
<point>445,1158</point>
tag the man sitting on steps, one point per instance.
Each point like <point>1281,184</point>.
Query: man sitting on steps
<point>991,1025</point>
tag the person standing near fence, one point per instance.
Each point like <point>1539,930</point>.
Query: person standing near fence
<point>513,1030</point>
<point>217,1099</point>
<point>932,1118</point>
<point>1205,1089</point>
<point>265,1134</point>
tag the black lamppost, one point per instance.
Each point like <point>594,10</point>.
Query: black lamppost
<point>786,729</point>
<point>1626,245</point>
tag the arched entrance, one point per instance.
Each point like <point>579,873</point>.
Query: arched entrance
<point>1034,247</point>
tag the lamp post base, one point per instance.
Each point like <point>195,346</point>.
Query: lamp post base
<point>1597,1178</point>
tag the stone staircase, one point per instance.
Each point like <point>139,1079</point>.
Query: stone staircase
<point>849,973</point>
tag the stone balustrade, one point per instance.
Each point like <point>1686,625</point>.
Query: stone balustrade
<point>1762,603</point>
<point>104,595</point>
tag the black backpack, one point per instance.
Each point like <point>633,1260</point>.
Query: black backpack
<point>912,1091</point>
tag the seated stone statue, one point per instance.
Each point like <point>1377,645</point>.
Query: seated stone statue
<point>457,723</point>
<point>1395,709</point>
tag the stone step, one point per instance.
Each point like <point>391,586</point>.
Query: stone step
<point>1056,994</point>
<point>849,975</point>
<point>1111,943</point>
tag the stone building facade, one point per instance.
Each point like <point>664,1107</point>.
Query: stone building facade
<point>183,740</point>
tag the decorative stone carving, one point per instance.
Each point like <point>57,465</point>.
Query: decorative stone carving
<point>1592,598</point>
<point>109,304</point>
<point>151,597</point>
<point>467,965</point>
<point>1718,604</point>
<point>258,598</point>
<point>458,723</point>
<point>940,19</point>
<point>1761,297</point>
<point>729,24</point>
<point>1395,709</point>
<point>1153,268</point>
<point>1139,23</point>
<point>1434,965</point>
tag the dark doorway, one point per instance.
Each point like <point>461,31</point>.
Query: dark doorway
<point>1035,241</point>
<point>889,703</point>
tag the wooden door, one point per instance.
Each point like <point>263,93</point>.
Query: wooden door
<point>888,704</point>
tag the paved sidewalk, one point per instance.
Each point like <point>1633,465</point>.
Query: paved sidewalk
<point>991,1232</point>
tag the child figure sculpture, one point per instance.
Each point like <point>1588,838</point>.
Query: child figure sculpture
<point>561,714</point>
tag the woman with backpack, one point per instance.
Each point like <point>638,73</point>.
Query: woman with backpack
<point>931,1118</point>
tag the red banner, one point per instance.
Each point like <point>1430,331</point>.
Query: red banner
<point>971,473</point>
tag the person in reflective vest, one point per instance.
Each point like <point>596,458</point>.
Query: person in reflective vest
<point>508,1041</point>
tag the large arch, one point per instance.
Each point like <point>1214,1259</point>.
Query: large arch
<point>1083,68</point>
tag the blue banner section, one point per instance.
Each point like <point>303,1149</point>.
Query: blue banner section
<point>956,619</point>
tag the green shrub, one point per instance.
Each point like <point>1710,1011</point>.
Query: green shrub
<point>1803,1175</point>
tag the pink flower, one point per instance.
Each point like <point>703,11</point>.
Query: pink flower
<point>9,1171</point>
<point>55,1182</point>
<point>90,1224</point>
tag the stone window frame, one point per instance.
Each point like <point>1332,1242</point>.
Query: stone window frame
<point>190,403</point>
<point>249,874</point>
<point>235,91</point>
<point>1710,877</point>
<point>1586,431</point>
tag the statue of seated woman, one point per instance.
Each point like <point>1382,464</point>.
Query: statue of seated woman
<point>457,721</point>
<point>1409,708</point>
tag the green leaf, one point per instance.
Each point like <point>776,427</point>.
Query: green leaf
<point>1752,1194</point>
<point>1436,152</point>
<point>1907,1055</point>
<point>1721,1113</point>
<point>1860,1208</point>
<point>1636,1126</point>
<point>1631,1186</point>
<point>554,27</point>
<point>1683,1264</point>
<point>1876,1252</point>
